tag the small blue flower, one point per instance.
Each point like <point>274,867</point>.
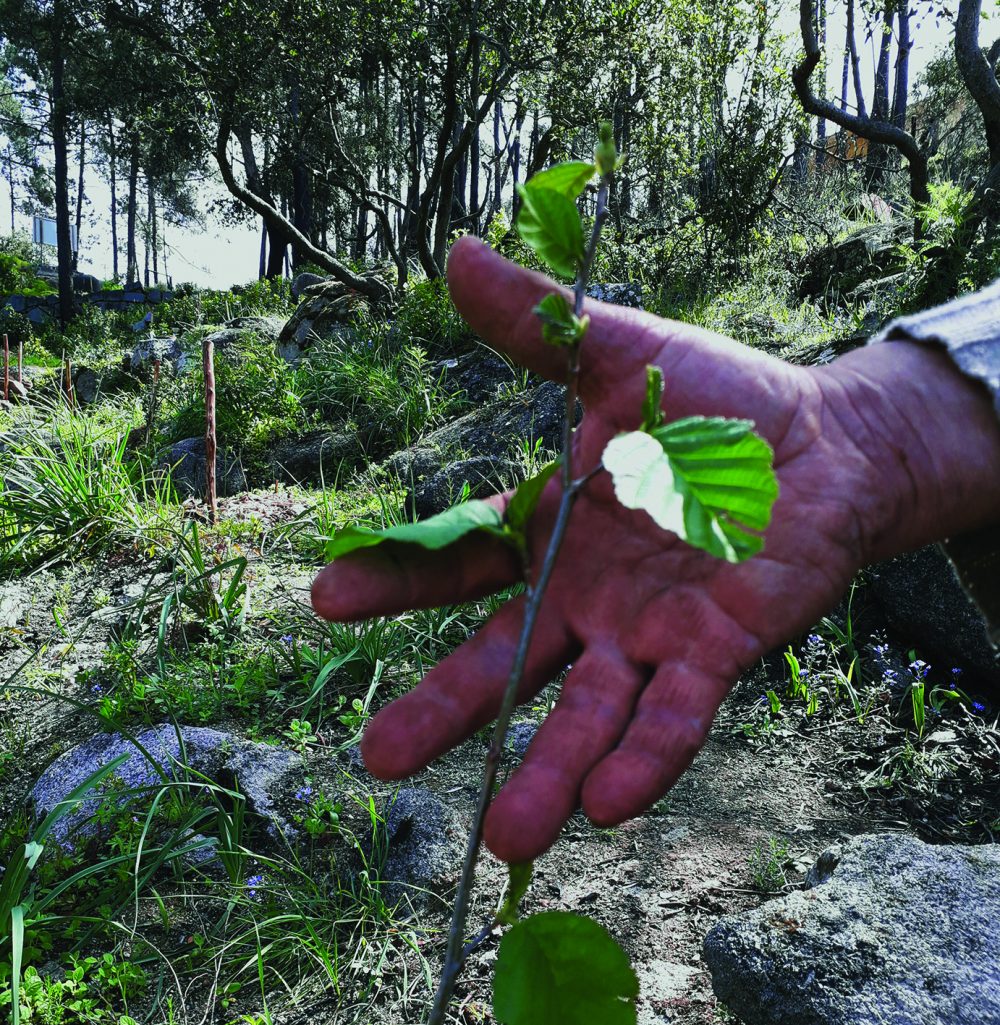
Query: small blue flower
<point>814,639</point>
<point>288,640</point>
<point>955,671</point>
<point>254,883</point>
<point>97,689</point>
<point>881,650</point>
<point>304,794</point>
<point>888,675</point>
<point>919,668</point>
<point>978,706</point>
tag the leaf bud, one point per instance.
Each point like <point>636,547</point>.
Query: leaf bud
<point>606,154</point>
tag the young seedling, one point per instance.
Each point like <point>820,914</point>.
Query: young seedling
<point>709,480</point>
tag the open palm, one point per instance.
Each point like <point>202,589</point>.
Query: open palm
<point>656,631</point>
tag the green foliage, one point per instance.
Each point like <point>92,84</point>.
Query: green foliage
<point>556,968</point>
<point>550,224</point>
<point>427,317</point>
<point>525,499</point>
<point>256,397</point>
<point>383,385</point>
<point>518,881</point>
<point>767,865</point>
<point>705,479</point>
<point>70,486</point>
<point>433,533</point>
<point>569,178</point>
<point>193,306</point>
<point>560,325</point>
<point>18,262</point>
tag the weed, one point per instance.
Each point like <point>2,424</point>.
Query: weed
<point>767,865</point>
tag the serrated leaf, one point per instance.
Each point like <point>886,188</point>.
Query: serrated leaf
<point>518,881</point>
<point>709,480</point>
<point>433,533</point>
<point>524,501</point>
<point>557,968</point>
<point>549,222</point>
<point>570,177</point>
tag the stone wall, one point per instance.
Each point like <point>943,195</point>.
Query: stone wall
<point>41,308</point>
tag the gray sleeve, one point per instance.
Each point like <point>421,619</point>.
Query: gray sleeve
<point>969,331</point>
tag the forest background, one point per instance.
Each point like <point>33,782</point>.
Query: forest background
<point>368,134</point>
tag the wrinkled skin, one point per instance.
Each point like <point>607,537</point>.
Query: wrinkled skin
<point>656,631</point>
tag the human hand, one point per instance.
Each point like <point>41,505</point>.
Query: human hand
<point>656,631</point>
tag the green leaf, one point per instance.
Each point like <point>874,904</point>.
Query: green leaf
<point>518,880</point>
<point>709,480</point>
<point>524,501</point>
<point>560,325</point>
<point>652,414</point>
<point>570,178</point>
<point>562,969</point>
<point>550,223</point>
<point>433,533</point>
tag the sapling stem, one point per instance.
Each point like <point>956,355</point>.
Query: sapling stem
<point>457,951</point>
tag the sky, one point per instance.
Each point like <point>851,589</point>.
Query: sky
<point>217,255</point>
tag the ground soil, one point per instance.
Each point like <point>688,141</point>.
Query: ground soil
<point>657,883</point>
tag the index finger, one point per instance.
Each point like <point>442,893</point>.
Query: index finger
<point>497,298</point>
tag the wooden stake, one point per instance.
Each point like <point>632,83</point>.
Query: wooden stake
<point>208,358</point>
<point>6,369</point>
<point>68,382</point>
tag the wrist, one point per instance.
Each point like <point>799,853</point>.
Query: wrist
<point>930,440</point>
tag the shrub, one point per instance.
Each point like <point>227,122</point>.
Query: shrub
<point>255,396</point>
<point>18,266</point>
<point>375,382</point>
<point>193,306</point>
<point>427,317</point>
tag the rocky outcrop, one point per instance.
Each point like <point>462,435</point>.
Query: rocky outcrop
<point>303,281</point>
<point>167,350</point>
<point>426,842</point>
<point>484,475</point>
<point>494,431</point>
<point>868,254</point>
<point>235,331</point>
<point>317,458</point>
<point>326,311</point>
<point>627,293</point>
<point>889,931</point>
<point>259,770</point>
<point>921,600</point>
<point>186,463</point>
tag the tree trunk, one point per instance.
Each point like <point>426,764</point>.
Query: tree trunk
<point>474,158</point>
<point>262,264</point>
<point>301,191</point>
<point>147,229</point>
<point>877,161</point>
<point>113,176</point>
<point>79,193</point>
<point>978,74</point>
<point>13,202</point>
<point>902,83</point>
<point>60,159</point>
<point>821,121</point>
<point>859,92</point>
<point>881,132</point>
<point>278,226</point>
<point>153,241</point>
<point>131,255</point>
